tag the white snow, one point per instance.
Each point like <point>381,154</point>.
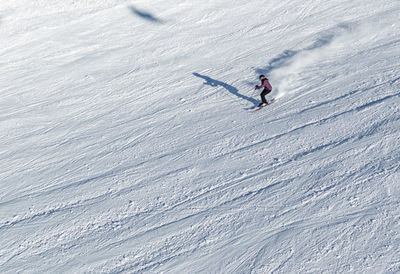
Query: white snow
<point>127,145</point>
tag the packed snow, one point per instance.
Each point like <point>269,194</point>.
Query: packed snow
<point>129,142</point>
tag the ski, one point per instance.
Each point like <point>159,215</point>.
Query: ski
<point>261,107</point>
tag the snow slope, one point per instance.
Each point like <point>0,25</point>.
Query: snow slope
<point>127,143</point>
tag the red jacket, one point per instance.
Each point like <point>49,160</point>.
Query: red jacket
<point>265,84</point>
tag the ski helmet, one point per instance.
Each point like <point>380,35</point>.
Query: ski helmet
<point>261,76</point>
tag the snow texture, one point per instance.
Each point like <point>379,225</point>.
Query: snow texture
<point>126,143</point>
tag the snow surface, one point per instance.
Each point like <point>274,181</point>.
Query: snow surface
<point>127,143</point>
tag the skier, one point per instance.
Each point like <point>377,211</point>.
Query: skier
<point>267,89</point>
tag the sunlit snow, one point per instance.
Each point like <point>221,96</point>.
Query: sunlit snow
<point>128,142</point>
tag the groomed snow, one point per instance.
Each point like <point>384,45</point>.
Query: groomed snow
<point>127,143</point>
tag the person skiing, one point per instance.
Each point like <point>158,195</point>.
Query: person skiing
<point>267,89</point>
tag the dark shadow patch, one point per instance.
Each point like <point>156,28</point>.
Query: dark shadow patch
<point>279,61</point>
<point>284,59</point>
<point>145,15</point>
<point>392,82</point>
<point>215,83</point>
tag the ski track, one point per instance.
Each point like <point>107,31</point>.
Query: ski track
<point>111,169</point>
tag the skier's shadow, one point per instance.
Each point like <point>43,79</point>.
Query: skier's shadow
<point>145,15</point>
<point>215,83</point>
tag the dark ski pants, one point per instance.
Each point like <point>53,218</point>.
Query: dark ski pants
<point>263,93</point>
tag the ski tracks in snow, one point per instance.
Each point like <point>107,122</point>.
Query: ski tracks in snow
<point>121,169</point>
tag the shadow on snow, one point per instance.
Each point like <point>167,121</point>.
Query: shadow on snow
<point>145,15</point>
<point>215,83</point>
<point>284,59</point>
